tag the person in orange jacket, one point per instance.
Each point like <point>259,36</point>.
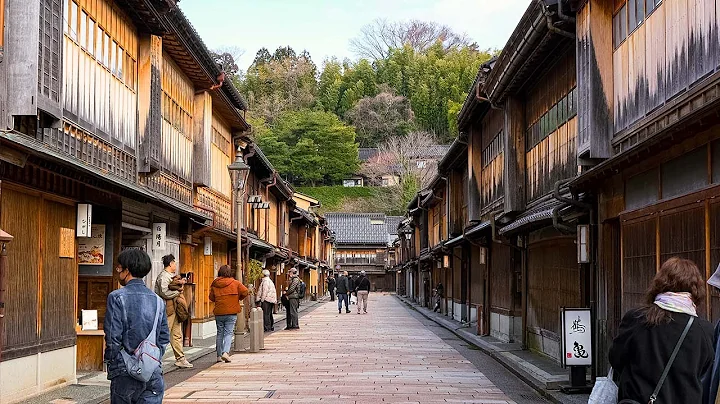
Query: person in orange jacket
<point>226,292</point>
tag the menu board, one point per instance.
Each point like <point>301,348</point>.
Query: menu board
<point>91,250</point>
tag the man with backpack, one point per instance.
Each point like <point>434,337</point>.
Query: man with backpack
<point>293,294</point>
<point>136,333</point>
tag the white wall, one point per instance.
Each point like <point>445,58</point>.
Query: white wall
<point>24,377</point>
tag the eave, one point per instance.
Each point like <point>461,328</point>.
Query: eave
<point>457,152</point>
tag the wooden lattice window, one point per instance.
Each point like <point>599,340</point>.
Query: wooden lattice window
<point>639,261</point>
<point>220,156</point>
<point>178,103</point>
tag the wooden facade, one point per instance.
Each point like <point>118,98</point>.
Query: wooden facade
<point>619,121</point>
<point>104,106</point>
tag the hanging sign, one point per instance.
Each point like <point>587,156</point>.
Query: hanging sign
<point>84,220</point>
<point>208,246</point>
<point>577,336</point>
<point>159,236</point>
<point>67,243</point>
<point>91,250</point>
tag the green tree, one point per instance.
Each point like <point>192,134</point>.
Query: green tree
<point>310,147</point>
<point>283,81</point>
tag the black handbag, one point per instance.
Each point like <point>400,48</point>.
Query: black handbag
<point>665,372</point>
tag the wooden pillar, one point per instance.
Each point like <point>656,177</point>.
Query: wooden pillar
<point>514,147</point>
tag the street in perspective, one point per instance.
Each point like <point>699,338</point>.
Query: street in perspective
<point>231,201</point>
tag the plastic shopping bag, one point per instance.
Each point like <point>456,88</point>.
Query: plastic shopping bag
<point>353,299</point>
<point>605,391</point>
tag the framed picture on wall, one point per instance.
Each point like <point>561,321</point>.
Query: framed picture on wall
<point>91,250</point>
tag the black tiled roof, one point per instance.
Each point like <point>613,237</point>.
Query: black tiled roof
<point>356,228</point>
<point>392,223</point>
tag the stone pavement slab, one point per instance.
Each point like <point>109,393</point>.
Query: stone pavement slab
<point>385,356</point>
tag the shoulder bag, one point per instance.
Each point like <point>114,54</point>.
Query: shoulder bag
<point>665,372</point>
<point>146,358</point>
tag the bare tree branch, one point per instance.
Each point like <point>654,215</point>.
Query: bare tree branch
<point>378,38</point>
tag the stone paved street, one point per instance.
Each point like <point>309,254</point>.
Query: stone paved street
<point>386,355</point>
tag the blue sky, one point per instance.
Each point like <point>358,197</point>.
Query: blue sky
<point>325,27</point>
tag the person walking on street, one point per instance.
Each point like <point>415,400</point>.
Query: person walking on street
<point>351,288</point>
<point>648,336</point>
<point>331,287</point>
<point>132,313</point>
<point>164,290</point>
<point>267,298</point>
<point>438,297</point>
<point>226,292</point>
<point>293,295</point>
<point>362,290</point>
<point>343,288</point>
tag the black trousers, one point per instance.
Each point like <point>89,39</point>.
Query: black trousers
<point>268,321</point>
<point>332,295</point>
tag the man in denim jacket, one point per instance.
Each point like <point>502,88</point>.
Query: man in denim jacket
<point>128,321</point>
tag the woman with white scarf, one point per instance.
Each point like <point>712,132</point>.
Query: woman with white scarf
<point>266,299</point>
<point>648,336</point>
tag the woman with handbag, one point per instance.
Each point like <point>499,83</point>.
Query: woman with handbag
<point>226,292</point>
<point>664,328</point>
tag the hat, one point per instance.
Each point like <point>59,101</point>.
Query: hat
<point>362,272</point>
<point>266,272</point>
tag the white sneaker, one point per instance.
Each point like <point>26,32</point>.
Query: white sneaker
<point>226,357</point>
<point>183,363</point>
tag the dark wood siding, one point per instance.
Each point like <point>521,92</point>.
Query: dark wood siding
<point>639,260</point>
<point>553,281</point>
<point>477,278</point>
<point>501,274</point>
<point>492,158</point>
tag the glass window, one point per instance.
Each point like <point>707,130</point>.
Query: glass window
<point>640,9</point>
<point>66,13</point>
<point>623,22</point>
<point>106,50</point>
<point>73,20</point>
<point>91,38</point>
<point>114,58</point>
<point>632,14</point>
<point>83,29</point>
<point>121,60</point>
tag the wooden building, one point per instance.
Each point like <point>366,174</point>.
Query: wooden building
<point>650,75</point>
<point>596,113</point>
<point>120,108</point>
<point>361,244</point>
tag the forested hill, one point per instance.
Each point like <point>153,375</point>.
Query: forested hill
<point>310,119</point>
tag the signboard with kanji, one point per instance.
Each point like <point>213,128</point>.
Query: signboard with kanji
<point>159,236</point>
<point>84,220</point>
<point>576,336</point>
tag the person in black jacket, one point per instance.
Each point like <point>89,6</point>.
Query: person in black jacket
<point>351,286</point>
<point>362,290</point>
<point>343,288</point>
<point>648,335</point>
<point>331,287</point>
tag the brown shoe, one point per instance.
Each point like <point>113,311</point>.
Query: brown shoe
<point>226,357</point>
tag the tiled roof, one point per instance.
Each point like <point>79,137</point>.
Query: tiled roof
<point>357,228</point>
<point>392,223</point>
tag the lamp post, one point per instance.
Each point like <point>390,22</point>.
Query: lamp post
<point>241,170</point>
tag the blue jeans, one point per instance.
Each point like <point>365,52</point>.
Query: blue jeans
<point>126,390</point>
<point>343,297</point>
<point>225,330</point>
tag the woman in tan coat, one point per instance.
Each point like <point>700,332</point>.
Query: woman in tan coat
<point>226,292</point>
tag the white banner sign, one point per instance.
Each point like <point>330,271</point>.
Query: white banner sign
<point>84,220</point>
<point>208,246</point>
<point>577,337</point>
<point>159,236</point>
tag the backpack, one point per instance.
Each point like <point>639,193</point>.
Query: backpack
<point>147,357</point>
<point>301,290</point>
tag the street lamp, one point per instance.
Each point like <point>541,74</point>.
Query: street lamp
<point>242,170</point>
